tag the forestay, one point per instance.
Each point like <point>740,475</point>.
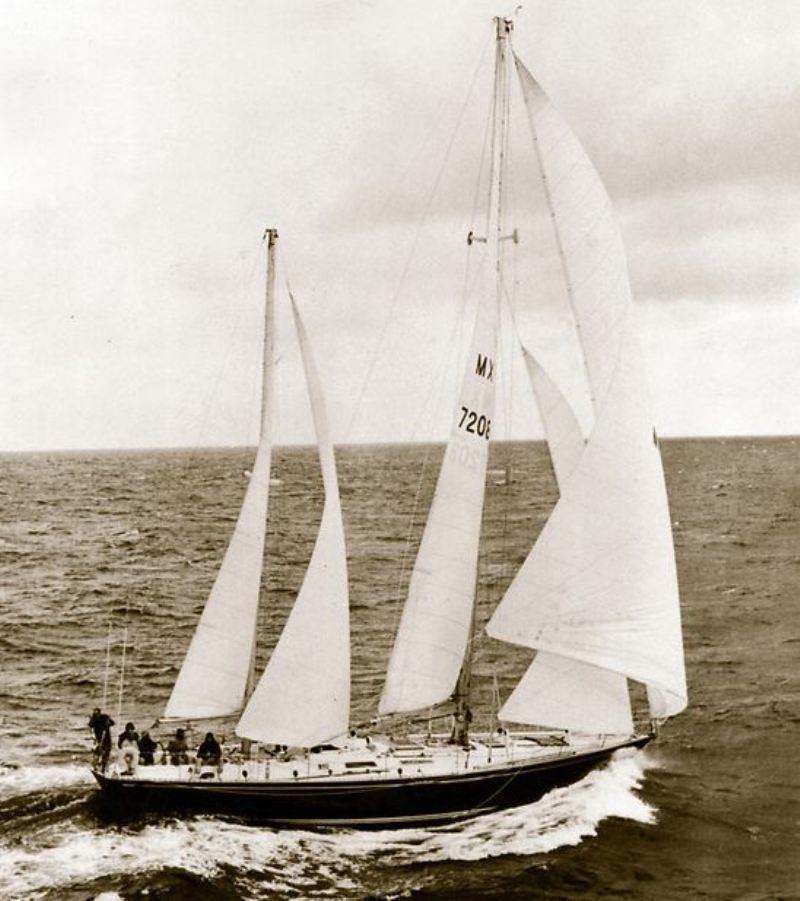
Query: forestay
<point>303,697</point>
<point>434,627</point>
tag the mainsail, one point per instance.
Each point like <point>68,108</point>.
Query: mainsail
<point>600,585</point>
<point>303,697</point>
<point>434,628</point>
<point>434,632</point>
<point>218,665</point>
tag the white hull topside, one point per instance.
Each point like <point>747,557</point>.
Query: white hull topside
<point>378,759</point>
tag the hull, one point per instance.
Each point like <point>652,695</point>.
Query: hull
<point>362,803</point>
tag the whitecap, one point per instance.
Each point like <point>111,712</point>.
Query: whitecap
<point>22,780</point>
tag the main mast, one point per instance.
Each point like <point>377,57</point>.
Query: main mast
<point>462,693</point>
<point>267,400</point>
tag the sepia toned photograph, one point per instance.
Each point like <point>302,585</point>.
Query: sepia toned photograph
<point>399,490</point>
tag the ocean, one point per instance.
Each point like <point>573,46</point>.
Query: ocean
<point>97,546</point>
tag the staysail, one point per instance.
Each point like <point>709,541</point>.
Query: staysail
<point>565,439</point>
<point>303,697</point>
<point>213,678</point>
<point>563,692</point>
<point>600,585</point>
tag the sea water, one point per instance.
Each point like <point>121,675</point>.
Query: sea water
<point>126,546</point>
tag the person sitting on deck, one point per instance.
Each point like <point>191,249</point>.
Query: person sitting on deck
<point>177,749</point>
<point>209,752</point>
<point>129,736</point>
<point>147,749</point>
<point>128,743</point>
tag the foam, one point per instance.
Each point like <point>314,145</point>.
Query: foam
<point>26,779</point>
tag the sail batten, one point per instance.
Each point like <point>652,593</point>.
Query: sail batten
<point>303,696</point>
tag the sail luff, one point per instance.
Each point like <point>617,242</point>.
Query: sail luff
<point>303,696</point>
<point>213,678</point>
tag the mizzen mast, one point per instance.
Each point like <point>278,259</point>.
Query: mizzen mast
<point>267,401</point>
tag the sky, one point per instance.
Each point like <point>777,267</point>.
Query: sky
<point>146,146</point>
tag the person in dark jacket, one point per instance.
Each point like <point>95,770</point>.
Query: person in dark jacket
<point>209,752</point>
<point>177,749</point>
<point>129,736</point>
<point>147,749</point>
<point>100,723</point>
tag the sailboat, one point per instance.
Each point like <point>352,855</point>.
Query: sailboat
<point>596,597</point>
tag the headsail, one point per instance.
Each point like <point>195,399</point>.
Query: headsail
<point>215,672</point>
<point>557,691</point>
<point>564,436</point>
<point>600,584</point>
<point>303,697</point>
<point>563,693</point>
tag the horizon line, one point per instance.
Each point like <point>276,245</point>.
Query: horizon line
<point>355,444</point>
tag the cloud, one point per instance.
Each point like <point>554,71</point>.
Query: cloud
<point>147,146</point>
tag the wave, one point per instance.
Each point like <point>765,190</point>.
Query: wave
<point>24,780</point>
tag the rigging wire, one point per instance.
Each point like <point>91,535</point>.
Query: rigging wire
<point>108,667</point>
<point>454,344</point>
<point>124,655</point>
<point>413,249</point>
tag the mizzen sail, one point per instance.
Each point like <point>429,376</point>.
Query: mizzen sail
<point>303,697</point>
<point>218,665</point>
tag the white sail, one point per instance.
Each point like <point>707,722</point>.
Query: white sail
<point>557,691</point>
<point>434,627</point>
<point>564,437</point>
<point>214,676</point>
<point>589,243</point>
<point>303,697</point>
<point>562,693</point>
<point>600,584</point>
